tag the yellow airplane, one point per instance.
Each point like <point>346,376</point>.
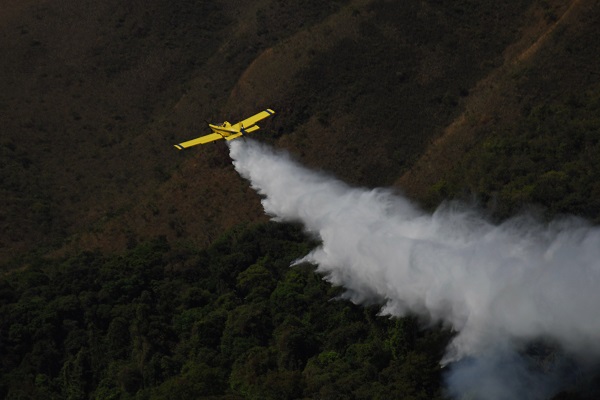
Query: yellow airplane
<point>228,131</point>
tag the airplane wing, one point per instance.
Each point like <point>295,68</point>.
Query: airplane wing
<point>201,140</point>
<point>248,122</point>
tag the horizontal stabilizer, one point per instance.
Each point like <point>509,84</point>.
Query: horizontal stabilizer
<point>251,129</point>
<point>243,132</point>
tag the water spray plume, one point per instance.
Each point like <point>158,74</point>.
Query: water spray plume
<point>498,286</point>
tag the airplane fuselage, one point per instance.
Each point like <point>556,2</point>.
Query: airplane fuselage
<point>225,129</point>
<point>231,131</point>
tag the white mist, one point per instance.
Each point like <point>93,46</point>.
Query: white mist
<point>498,286</point>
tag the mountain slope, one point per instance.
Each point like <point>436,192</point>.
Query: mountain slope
<point>368,90</point>
<point>358,93</point>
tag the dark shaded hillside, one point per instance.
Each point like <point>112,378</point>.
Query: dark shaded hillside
<point>402,79</point>
<point>82,80</point>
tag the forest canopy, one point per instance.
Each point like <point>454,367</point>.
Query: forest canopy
<point>232,321</point>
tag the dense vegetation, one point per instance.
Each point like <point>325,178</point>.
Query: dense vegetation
<point>233,321</point>
<point>533,138</point>
<point>549,158</point>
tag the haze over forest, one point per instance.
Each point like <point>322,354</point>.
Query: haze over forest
<point>133,270</point>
